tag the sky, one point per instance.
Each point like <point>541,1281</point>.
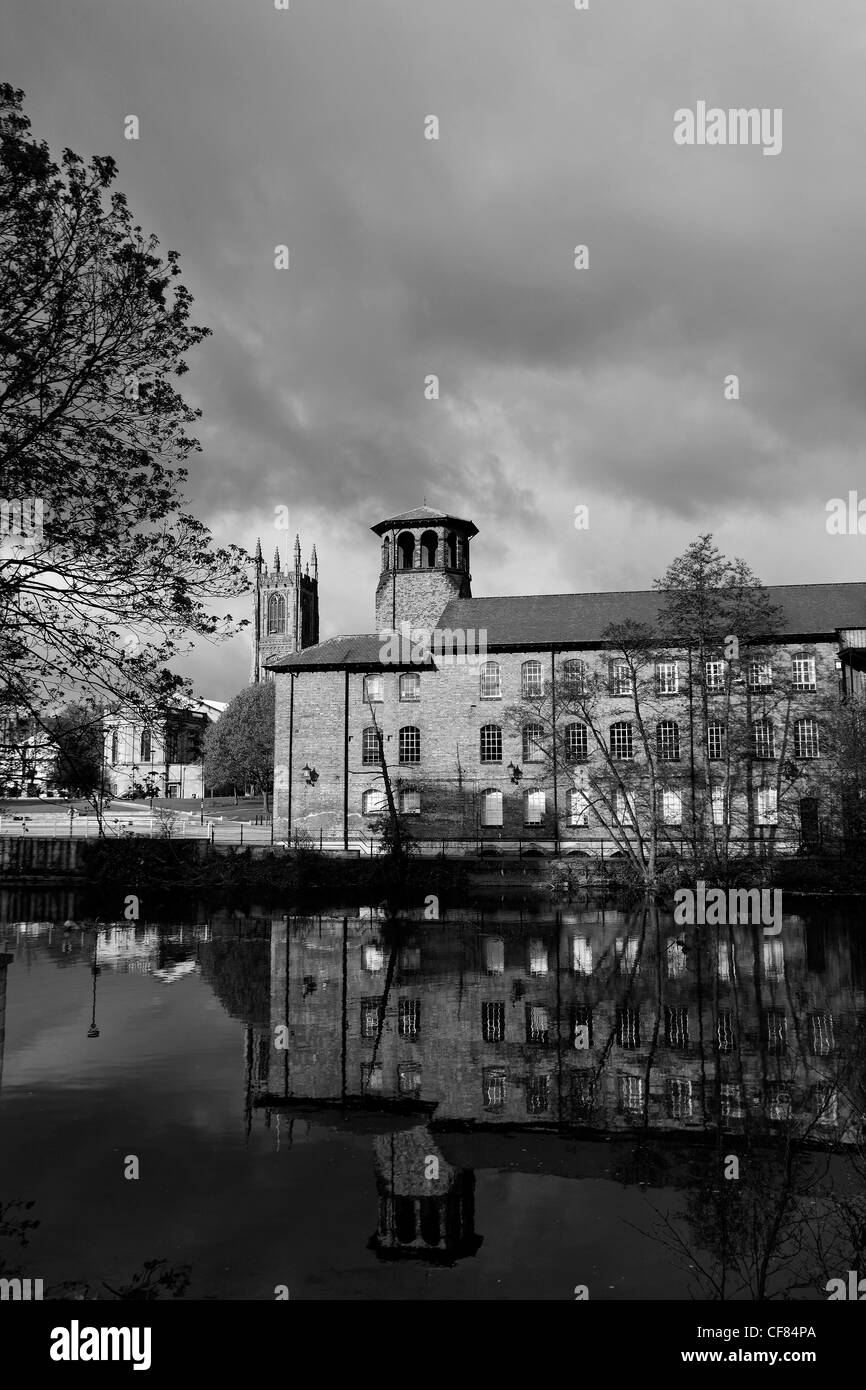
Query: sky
<point>602,387</point>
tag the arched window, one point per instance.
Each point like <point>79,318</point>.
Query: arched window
<point>763,739</point>
<point>668,740</point>
<point>369,747</point>
<point>534,805</point>
<point>374,802</point>
<point>621,740</point>
<point>532,683</point>
<point>806,738</point>
<point>410,744</point>
<point>491,807</point>
<point>276,613</point>
<point>491,743</point>
<point>145,746</point>
<point>410,686</point>
<point>533,751</point>
<point>429,545</point>
<point>576,749</point>
<point>491,681</point>
<point>574,678</point>
<point>405,550</point>
<point>386,553</point>
<point>451,550</point>
<point>114,746</point>
<point>576,808</point>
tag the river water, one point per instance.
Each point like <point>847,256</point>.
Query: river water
<point>498,1103</point>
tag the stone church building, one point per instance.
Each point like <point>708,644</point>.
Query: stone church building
<point>464,770</point>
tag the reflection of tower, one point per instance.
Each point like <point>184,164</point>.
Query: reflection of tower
<point>286,612</point>
<point>420,1216</point>
<point>5,960</point>
<point>95,971</point>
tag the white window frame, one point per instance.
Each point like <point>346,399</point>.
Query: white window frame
<point>767,806</point>
<point>490,676</point>
<point>667,677</point>
<point>803,675</point>
<point>532,679</point>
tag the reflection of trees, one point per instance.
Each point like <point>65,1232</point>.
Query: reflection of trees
<point>239,973</point>
<point>795,1214</point>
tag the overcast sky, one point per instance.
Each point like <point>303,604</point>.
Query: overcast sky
<point>558,387</point>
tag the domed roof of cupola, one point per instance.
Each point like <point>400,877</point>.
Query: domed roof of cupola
<point>419,516</point>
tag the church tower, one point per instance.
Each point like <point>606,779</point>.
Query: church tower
<point>425,564</point>
<point>285,609</point>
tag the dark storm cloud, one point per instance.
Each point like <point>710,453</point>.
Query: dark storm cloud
<point>455,257</point>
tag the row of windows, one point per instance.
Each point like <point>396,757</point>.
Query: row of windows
<point>537,1028</point>
<point>806,741</point>
<point>630,1093</point>
<point>628,960</point>
<point>669,806</point>
<point>575,677</point>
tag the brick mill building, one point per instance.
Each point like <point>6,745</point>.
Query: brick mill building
<point>461,767</point>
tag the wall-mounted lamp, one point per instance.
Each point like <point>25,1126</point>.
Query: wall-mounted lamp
<point>838,664</point>
<point>516,774</point>
<point>311,776</point>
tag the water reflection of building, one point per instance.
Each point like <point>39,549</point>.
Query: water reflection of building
<point>426,1206</point>
<point>599,1020</point>
<point>5,962</point>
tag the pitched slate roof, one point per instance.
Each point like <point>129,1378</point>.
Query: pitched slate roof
<point>524,621</point>
<point>418,515</point>
<point>356,651</point>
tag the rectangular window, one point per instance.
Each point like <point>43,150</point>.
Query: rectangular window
<point>533,743</point>
<point>825,1109</point>
<point>491,681</point>
<point>371,1076</point>
<point>714,675</point>
<point>410,959</point>
<point>576,747</point>
<point>727,961</point>
<point>537,1094</point>
<point>628,1028</point>
<point>621,741</point>
<point>537,957</point>
<point>679,1098</point>
<point>370,1017</point>
<point>577,811</point>
<point>806,738</point>
<point>410,745</point>
<point>410,803</point>
<point>676,958</point>
<point>369,748</point>
<point>409,1018</point>
<point>667,678</point>
<point>776,1031</point>
<point>821,1034</point>
<point>731,1101</point>
<point>626,954</point>
<point>581,955</point>
<point>763,738</point>
<point>716,741</point>
<point>582,1094</point>
<point>631,1094</point>
<point>374,689</point>
<point>725,1035</point>
<point>533,680</point>
<point>373,958</point>
<point>670,808</point>
<point>494,1082</point>
<point>803,673</point>
<point>494,955</point>
<point>491,744</point>
<point>767,812</point>
<point>410,686</point>
<point>719,805</point>
<point>620,678</point>
<point>409,1078</point>
<point>491,807</point>
<point>534,804</point>
<point>760,675</point>
<point>493,1021</point>
<point>538,1024</point>
<point>676,1027</point>
<point>774,958</point>
<point>625,809</point>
